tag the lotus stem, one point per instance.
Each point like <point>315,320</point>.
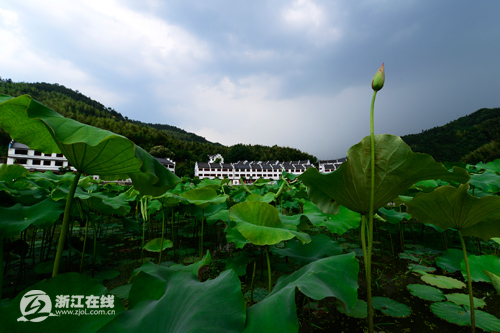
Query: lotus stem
<point>1,267</point>
<point>469,283</point>
<point>95,248</point>
<point>84,242</point>
<point>162,236</point>
<point>253,278</point>
<point>201,234</point>
<point>268,267</point>
<point>64,227</point>
<point>367,261</point>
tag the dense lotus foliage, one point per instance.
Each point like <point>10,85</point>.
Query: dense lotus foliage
<point>186,255</point>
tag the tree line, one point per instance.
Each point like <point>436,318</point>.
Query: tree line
<point>183,147</point>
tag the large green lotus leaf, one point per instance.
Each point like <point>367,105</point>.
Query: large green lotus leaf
<point>155,245</point>
<point>460,315</point>
<point>188,305</point>
<point>72,284</point>
<point>239,263</point>
<point>427,293</point>
<point>273,314</point>
<point>320,246</point>
<point>442,281</point>
<point>163,273</point>
<point>221,215</point>
<point>360,310</point>
<point>259,222</point>
<point>450,260</point>
<point>95,201</point>
<point>463,299</point>
<point>450,207</point>
<point>49,176</point>
<point>490,166</point>
<point>268,197</point>
<point>329,277</point>
<point>343,221</point>
<point>204,196</point>
<point>391,307</point>
<point>494,279</point>
<point>393,216</point>
<point>23,192</point>
<point>397,168</point>
<point>17,218</point>
<point>452,313</point>
<point>488,181</point>
<point>12,172</point>
<point>478,264</point>
<point>234,236</point>
<point>89,149</point>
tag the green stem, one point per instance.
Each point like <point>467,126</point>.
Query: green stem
<point>95,226</point>
<point>469,283</point>
<point>369,246</point>
<point>162,236</point>
<point>1,267</point>
<point>268,267</point>
<point>201,234</point>
<point>368,274</point>
<point>64,227</point>
<point>84,243</point>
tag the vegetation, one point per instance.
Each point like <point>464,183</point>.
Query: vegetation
<point>386,205</point>
<point>187,148</point>
<point>468,139</point>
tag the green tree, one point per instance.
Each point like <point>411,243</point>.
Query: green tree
<point>161,152</point>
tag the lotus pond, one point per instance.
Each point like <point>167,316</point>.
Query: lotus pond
<point>392,241</point>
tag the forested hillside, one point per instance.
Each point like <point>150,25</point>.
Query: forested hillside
<point>183,147</point>
<point>471,139</point>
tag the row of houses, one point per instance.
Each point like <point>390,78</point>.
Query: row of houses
<point>34,160</point>
<point>250,171</point>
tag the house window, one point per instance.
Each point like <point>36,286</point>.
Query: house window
<point>36,162</point>
<point>59,155</point>
<point>58,163</point>
<point>21,152</point>
<point>37,153</point>
<point>46,162</point>
<point>20,161</point>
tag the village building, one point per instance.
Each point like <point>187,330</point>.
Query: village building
<point>250,171</point>
<point>326,166</point>
<point>33,160</point>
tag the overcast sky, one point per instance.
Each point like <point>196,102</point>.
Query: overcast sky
<point>291,73</point>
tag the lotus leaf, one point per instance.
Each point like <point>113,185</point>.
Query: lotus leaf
<point>427,293</point>
<point>88,149</point>
<point>259,223</point>
<point>397,168</point>
<point>391,307</point>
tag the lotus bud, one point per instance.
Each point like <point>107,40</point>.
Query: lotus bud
<point>379,79</point>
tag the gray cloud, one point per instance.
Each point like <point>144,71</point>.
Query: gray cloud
<point>293,73</point>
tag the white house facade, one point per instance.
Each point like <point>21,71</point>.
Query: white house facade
<point>33,160</point>
<point>250,171</point>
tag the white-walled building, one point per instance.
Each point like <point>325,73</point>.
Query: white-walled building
<point>250,171</point>
<point>33,160</point>
<point>326,166</point>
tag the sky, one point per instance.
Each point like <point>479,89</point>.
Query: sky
<point>293,73</point>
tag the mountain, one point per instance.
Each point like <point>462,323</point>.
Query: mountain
<point>470,139</point>
<point>183,147</point>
